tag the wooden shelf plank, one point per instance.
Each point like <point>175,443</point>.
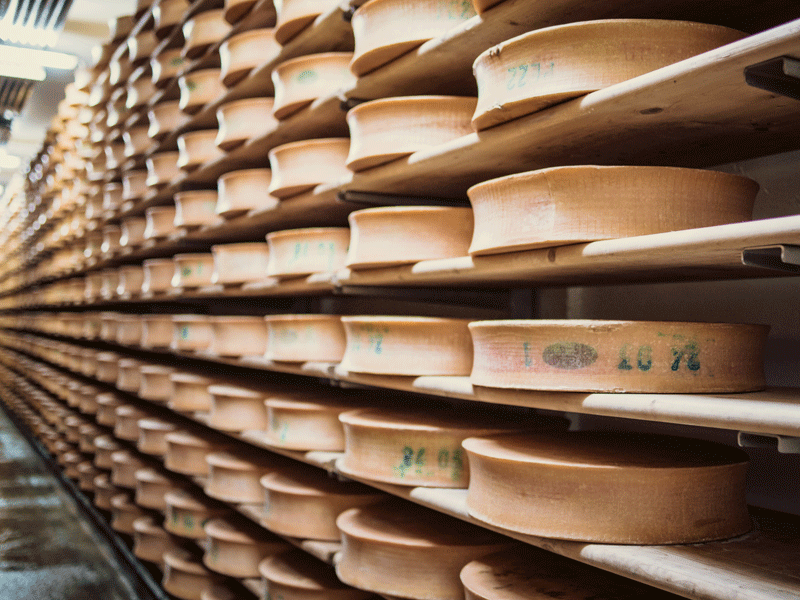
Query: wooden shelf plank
<point>698,112</point>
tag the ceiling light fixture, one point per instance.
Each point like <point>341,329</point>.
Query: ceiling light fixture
<point>9,161</point>
<point>30,63</point>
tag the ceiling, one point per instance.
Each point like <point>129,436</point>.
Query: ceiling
<point>85,27</point>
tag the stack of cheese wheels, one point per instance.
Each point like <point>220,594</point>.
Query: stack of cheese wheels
<point>397,235</point>
<point>289,162</point>
<point>199,88</point>
<point>305,504</point>
<point>619,356</point>
<point>232,478</point>
<point>203,31</point>
<point>151,541</point>
<point>193,270</point>
<point>235,264</point>
<point>608,487</point>
<point>308,421</point>
<point>156,330</point>
<point>295,574</point>
<point>243,52</point>
<point>190,393</point>
<point>185,577</point>
<point>412,448</point>
<point>243,120</point>
<point>158,273</point>
<point>384,130</point>
<point>237,336</point>
<point>186,452</point>
<point>387,29</point>
<point>236,10</point>
<point>165,117</point>
<point>528,573</point>
<point>300,81</point>
<point>242,191</point>
<point>195,208</point>
<point>304,338</point>
<point>567,205</point>
<point>197,148</point>
<point>187,512</point>
<point>412,346</point>
<point>383,543</point>
<point>296,15</point>
<point>191,332</point>
<point>237,408</point>
<point>301,252</point>
<point>541,68</point>
<point>235,548</point>
<point>155,383</point>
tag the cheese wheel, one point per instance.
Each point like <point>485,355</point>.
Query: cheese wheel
<point>387,129</point>
<point>186,452</point>
<point>235,264</point>
<point>166,65</point>
<point>238,336</point>
<point>619,356</point>
<point>112,195</point>
<point>235,10</point>
<point>107,404</point>
<point>167,14</point>
<point>110,246</point>
<point>158,273</point>
<point>108,333</point>
<point>237,409</point>
<point>294,575</point>
<point>236,548</point>
<point>308,422</point>
<point>197,148</point>
<point>387,29</point>
<point>305,338</point>
<point>160,222</point>
<point>567,205</point>
<point>115,155</point>
<point>131,278</point>
<point>134,184</point>
<point>300,252</point>
<point>104,491</point>
<point>243,120</point>
<point>400,549</point>
<point>187,513</point>
<point>140,47</point>
<point>156,330</point>
<point>120,27</point>
<point>107,366</point>
<point>150,541</point>
<point>305,504</point>
<point>235,479</point>
<point>128,376</point>
<point>104,447</point>
<point>411,346</point>
<point>191,332</point>
<point>162,168</point>
<point>155,383</point>
<point>126,422</point>
<point>136,141</point>
<point>199,88</point>
<point>396,235</point>
<point>608,487</point>
<point>195,208</point>
<point>165,117</point>
<point>129,327</point>
<point>243,191</point>
<point>190,392</point>
<point>139,92</point>
<point>151,485</point>
<point>124,512</point>
<point>202,31</point>
<point>243,52</point>
<point>193,270</point>
<point>132,232</point>
<point>528,573</point>
<point>299,81</point>
<point>185,577</point>
<point>289,163</point>
<point>296,15</point>
<point>86,474</point>
<point>550,65</point>
<point>126,464</point>
<point>409,448</point>
<point>153,436</point>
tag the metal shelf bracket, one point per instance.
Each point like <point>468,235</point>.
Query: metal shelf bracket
<point>779,75</point>
<point>783,443</point>
<point>783,257</point>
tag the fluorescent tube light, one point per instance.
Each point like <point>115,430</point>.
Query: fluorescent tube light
<point>34,57</point>
<point>9,161</point>
<point>32,72</point>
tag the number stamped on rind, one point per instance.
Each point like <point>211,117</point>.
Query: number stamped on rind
<point>419,463</point>
<point>525,73</point>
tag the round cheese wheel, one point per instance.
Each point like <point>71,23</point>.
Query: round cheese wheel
<point>387,29</point>
<point>400,549</point>
<point>295,575</point>
<point>110,246</point>
<point>528,573</point>
<point>134,184</point>
<point>243,120</point>
<point>86,474</point>
<point>296,15</point>
<point>186,452</point>
<point>186,513</point>
<point>197,148</point>
<point>158,273</point>
<point>243,52</point>
<point>289,162</point>
<point>195,208</point>
<point>107,404</point>
<point>153,436</point>
<point>151,485</point>
<point>567,205</point>
<point>235,479</point>
<point>126,422</point>
<point>309,422</point>
<point>104,491</point>
<point>199,88</point>
<point>139,92</point>
<point>300,252</point>
<point>235,548</point>
<point>162,168</point>
<point>299,81</point>
<point>129,327</point>
<point>243,191</point>
<point>185,577</point>
<point>238,336</point>
<point>235,264</point>
<point>108,362</point>
<point>190,392</point>
<point>541,68</point>
<point>132,232</point>
<point>608,487</point>
<point>160,222</point>
<point>619,356</point>
<point>390,128</point>
<point>155,383</point>
<point>305,503</point>
<point>150,541</point>
<point>410,448</point>
<point>136,141</point>
<point>167,14</point>
<point>411,346</point>
<point>124,512</point>
<point>120,27</point>
<point>128,376</point>
<point>166,65</point>
<point>237,409</point>
<point>193,270</point>
<point>202,31</point>
<point>157,329</point>
<point>112,195</point>
<point>191,332</point>
<point>126,463</point>
<point>140,47</point>
<point>104,447</point>
<point>305,338</point>
<point>396,235</point>
<point>131,278</point>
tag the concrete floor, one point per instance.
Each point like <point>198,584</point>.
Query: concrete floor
<point>47,550</point>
